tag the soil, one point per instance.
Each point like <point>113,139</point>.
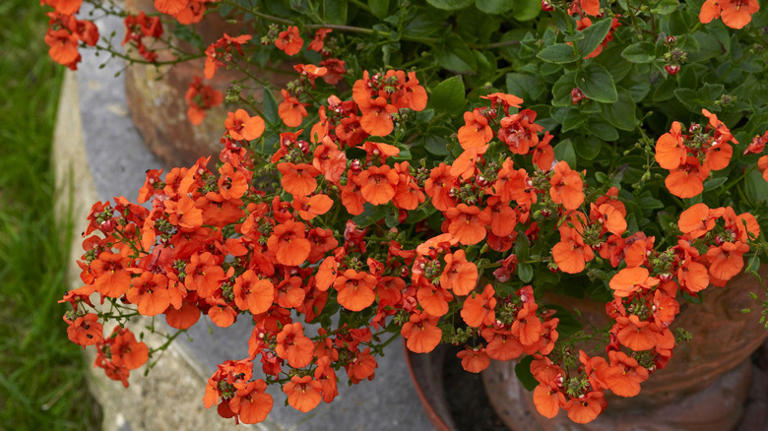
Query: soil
<point>465,393</point>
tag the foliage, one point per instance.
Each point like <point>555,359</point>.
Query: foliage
<point>617,147</point>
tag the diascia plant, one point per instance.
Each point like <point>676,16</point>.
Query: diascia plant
<point>377,201</point>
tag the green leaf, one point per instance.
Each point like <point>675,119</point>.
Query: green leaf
<point>561,90</point>
<point>523,373</point>
<point>448,96</point>
<point>665,7</point>
<point>436,145</point>
<point>525,10</point>
<point>593,35</point>
<point>622,113</point>
<point>714,183</point>
<point>450,4</point>
<point>528,87</point>
<point>270,108</point>
<point>456,56</point>
<point>564,151</point>
<point>559,53</point>
<point>597,84</point>
<point>494,7</point>
<point>588,148</point>
<point>640,52</point>
<point>525,272</point>
<point>756,188</point>
<point>379,8</point>
<point>335,11</point>
<point>573,119</point>
<point>603,130</point>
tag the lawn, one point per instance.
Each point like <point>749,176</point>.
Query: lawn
<point>42,383</point>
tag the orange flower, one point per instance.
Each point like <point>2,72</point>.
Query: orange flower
<point>547,400</point>
<point>585,410</point>
<point>289,40</point>
<point>327,273</point>
<point>635,334</point>
<point>170,7</point>
<point>762,165</point>
<point>355,289</point>
<point>630,280</point>
<point>252,293</point>
<point>467,224</point>
<point>329,160</point>
<point>709,11</point>
<point>200,98</point>
<point>571,254</point>
<point>110,276</point>
<point>478,309</point>
<point>421,333</point>
<point>311,71</point>
<point>726,261</point>
<point>590,7</point>
<point>63,46</point>
<point>289,243</point>
<point>309,208</point>
<point>377,184</point>
<point>304,393</point>
<point>693,276</point>
<point>319,39</point>
<point>474,360</point>
<point>184,317</point>
<point>459,275</point>
<point>738,13</point>
<point>433,301</point>
<point>688,180</point>
<point>85,330</point>
<point>438,186</point>
<point>251,403</point>
<point>475,132</point>
<point>149,292</point>
<point>696,221</point>
<point>298,179</point>
<point>519,131</point>
<point>502,345</point>
<point>291,110</point>
<point>242,126</point>
<point>377,116</point>
<point>232,184</point>
<point>567,187</point>
<point>126,351</point>
<point>184,214</point>
<point>506,100</point>
<point>294,346</point>
<point>670,149</point>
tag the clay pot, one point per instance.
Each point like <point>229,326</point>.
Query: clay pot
<point>703,387</point>
<point>710,383</point>
<point>156,101</point>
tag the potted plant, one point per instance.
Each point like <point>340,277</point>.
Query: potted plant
<point>473,194</point>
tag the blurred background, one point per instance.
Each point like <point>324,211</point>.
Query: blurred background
<point>42,374</point>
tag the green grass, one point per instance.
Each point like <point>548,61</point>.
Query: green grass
<point>42,384</point>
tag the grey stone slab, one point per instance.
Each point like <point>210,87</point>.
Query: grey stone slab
<point>118,160</point>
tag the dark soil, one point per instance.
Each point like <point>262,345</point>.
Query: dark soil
<point>465,393</point>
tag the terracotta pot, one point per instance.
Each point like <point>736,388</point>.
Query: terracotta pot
<point>156,101</point>
<point>704,387</point>
<point>701,389</point>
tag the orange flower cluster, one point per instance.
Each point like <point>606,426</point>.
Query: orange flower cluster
<point>137,27</point>
<point>691,157</point>
<point>212,243</point>
<point>65,32</point>
<point>734,13</point>
<point>184,11</point>
<point>219,53</point>
<point>200,98</point>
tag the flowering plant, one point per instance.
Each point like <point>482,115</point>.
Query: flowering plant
<point>366,206</point>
